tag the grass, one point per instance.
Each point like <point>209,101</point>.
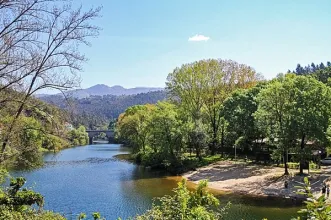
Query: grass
<point>210,159</point>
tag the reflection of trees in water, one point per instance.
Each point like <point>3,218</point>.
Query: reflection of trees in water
<point>142,185</point>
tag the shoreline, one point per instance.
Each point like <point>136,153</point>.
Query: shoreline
<point>256,180</point>
<point>251,180</point>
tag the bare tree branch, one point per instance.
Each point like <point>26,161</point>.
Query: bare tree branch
<point>39,47</point>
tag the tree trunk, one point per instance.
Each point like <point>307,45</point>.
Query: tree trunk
<point>198,153</point>
<point>213,148</point>
<point>302,160</point>
<point>285,163</point>
<point>215,129</point>
<point>222,140</point>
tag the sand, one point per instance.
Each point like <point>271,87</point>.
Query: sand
<point>257,180</point>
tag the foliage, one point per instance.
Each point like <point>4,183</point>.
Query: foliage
<point>16,202</point>
<point>29,215</point>
<point>78,137</point>
<point>310,68</point>
<point>201,88</point>
<point>81,216</point>
<point>294,109</point>
<point>199,204</point>
<point>41,127</point>
<point>239,111</point>
<point>215,105</point>
<point>17,198</point>
<point>316,208</point>
<point>42,52</point>
<point>96,215</point>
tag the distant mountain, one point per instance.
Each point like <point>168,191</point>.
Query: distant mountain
<point>101,90</point>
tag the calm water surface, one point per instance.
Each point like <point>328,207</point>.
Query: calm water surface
<point>88,179</point>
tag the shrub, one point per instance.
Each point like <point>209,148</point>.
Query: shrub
<point>186,205</point>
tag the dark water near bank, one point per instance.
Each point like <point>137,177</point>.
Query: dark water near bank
<point>89,179</point>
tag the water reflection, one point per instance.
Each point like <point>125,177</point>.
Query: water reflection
<point>89,179</point>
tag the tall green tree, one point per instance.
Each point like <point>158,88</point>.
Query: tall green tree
<point>202,86</point>
<point>274,114</point>
<point>312,104</point>
<point>294,110</point>
<point>238,112</point>
<point>132,126</point>
<point>166,130</point>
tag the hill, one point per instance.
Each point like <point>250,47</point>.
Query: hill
<point>96,111</point>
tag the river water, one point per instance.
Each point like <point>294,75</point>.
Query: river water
<point>89,179</point>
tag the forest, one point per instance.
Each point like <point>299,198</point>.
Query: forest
<point>99,112</point>
<point>220,108</point>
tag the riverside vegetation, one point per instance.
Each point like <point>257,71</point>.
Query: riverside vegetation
<point>219,109</point>
<point>215,109</point>
<point>165,135</point>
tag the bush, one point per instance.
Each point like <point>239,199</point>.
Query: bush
<point>15,203</point>
<point>186,205</point>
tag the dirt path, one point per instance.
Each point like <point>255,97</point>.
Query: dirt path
<point>255,180</point>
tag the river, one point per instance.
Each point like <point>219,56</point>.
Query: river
<point>88,179</point>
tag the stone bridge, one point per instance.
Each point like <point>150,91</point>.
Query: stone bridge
<point>93,133</point>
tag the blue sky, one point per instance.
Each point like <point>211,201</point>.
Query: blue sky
<point>142,41</point>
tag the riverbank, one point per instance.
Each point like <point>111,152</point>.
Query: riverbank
<point>256,180</point>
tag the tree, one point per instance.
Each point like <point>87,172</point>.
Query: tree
<point>78,137</point>
<point>132,126</point>
<point>296,109</point>
<point>274,114</point>
<point>239,111</point>
<point>299,70</point>
<point>166,130</point>
<point>323,75</point>
<point>313,67</point>
<point>201,87</point>
<point>307,69</point>
<point>312,104</point>
<point>51,34</point>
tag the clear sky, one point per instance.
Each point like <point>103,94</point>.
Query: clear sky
<point>143,40</point>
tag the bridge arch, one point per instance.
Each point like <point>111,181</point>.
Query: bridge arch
<point>93,133</point>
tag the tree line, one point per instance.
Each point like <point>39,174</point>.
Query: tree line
<point>223,107</point>
<point>310,68</point>
<point>319,71</point>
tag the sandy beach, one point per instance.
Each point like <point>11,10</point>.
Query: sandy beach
<point>256,180</point>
